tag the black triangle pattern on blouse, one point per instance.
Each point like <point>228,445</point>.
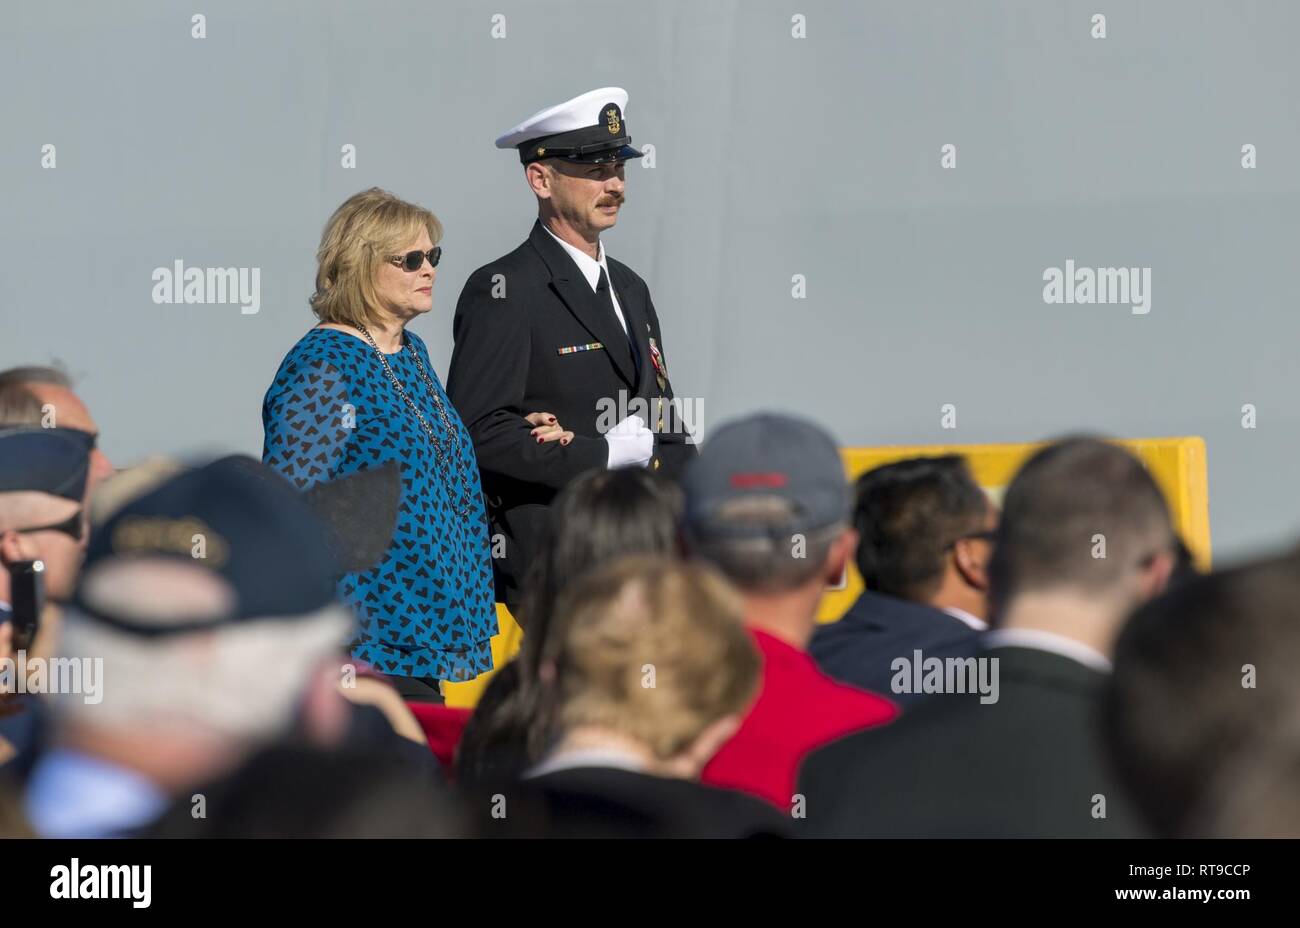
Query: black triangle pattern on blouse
<point>427,608</point>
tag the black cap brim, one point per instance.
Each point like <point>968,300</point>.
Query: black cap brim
<point>618,153</point>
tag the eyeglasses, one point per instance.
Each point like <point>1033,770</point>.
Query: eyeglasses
<point>73,526</point>
<point>414,260</point>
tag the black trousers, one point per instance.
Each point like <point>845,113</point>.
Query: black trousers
<point>417,689</point>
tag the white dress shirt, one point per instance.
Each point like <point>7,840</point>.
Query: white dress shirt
<point>587,757</point>
<point>630,442</point>
<point>591,270</point>
<point>74,795</point>
<point>961,615</point>
<point>1041,640</point>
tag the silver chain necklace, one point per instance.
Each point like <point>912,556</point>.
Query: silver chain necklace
<point>441,449</point>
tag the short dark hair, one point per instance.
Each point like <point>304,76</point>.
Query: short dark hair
<point>1081,513</point>
<point>1257,795</point>
<point>598,517</point>
<point>908,515</point>
<point>1178,715</point>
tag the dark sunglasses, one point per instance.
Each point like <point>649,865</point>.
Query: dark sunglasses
<point>414,260</point>
<point>73,527</point>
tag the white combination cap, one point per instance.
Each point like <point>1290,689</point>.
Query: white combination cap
<point>589,128</point>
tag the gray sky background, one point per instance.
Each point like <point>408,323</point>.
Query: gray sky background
<point>775,156</point>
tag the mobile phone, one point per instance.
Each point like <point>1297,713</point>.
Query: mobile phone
<point>27,595</point>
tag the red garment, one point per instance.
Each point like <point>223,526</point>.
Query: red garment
<point>798,709</point>
<point>443,726</point>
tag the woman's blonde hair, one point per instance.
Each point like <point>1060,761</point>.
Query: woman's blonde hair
<point>653,648</point>
<point>363,233</point>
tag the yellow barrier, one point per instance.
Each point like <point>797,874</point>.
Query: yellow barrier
<point>505,645</point>
<point>1177,464</point>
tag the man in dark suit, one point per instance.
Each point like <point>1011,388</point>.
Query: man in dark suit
<point>925,530</point>
<point>1084,537</point>
<point>556,325</point>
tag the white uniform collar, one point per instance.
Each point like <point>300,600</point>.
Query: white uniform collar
<point>591,270</point>
<point>590,267</point>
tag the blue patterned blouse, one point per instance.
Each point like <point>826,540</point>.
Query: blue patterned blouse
<point>427,609</point>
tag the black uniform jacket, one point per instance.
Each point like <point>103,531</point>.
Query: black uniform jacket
<point>1030,765</point>
<point>532,336</point>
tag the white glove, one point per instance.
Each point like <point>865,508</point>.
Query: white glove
<point>630,442</point>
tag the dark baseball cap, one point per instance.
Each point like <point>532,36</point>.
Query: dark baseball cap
<point>54,461</point>
<point>768,455</point>
<point>252,530</point>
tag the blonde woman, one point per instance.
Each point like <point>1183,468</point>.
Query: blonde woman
<point>358,391</point>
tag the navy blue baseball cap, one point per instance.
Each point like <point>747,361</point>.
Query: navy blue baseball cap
<point>54,461</point>
<point>234,517</point>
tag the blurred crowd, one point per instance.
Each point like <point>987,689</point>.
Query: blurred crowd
<point>1052,664</point>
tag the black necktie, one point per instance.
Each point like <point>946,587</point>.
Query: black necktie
<point>607,298</point>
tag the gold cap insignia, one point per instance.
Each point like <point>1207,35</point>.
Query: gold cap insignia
<point>152,535</point>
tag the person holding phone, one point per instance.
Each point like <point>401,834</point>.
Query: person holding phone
<point>42,517</point>
<point>43,475</point>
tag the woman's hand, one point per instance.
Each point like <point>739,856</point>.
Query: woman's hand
<point>547,428</point>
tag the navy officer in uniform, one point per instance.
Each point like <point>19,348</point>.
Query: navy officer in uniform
<point>558,325</point>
